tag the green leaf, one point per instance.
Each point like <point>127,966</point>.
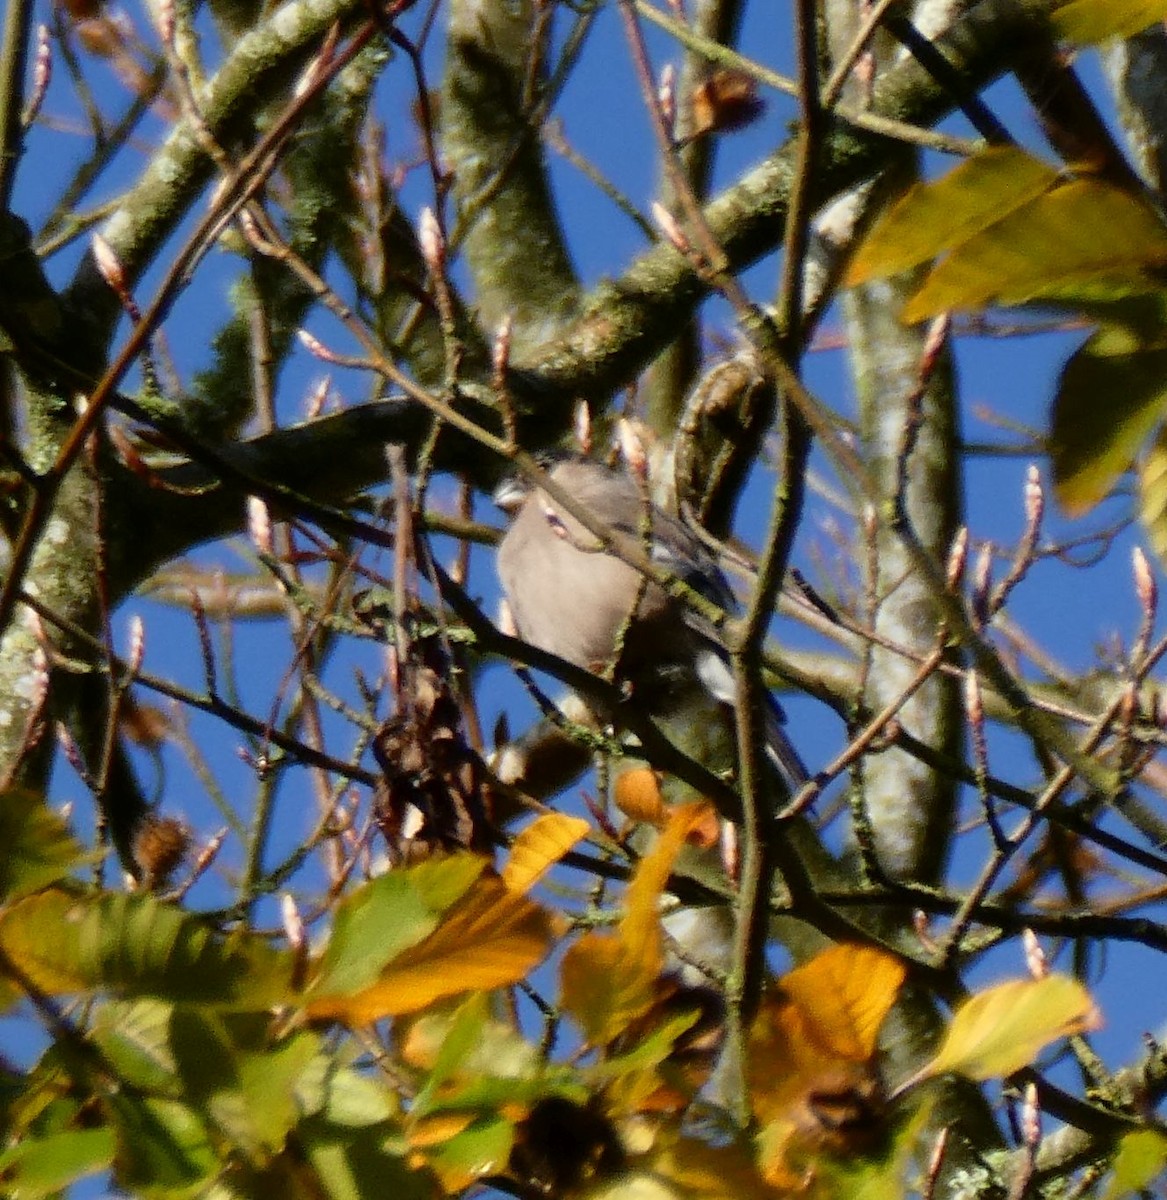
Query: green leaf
<point>1082,238</point>
<point>162,1146</point>
<point>36,1167</point>
<point>650,1051</point>
<point>139,946</point>
<point>395,911</point>
<point>1106,406</point>
<point>38,848</point>
<point>462,1034</point>
<point>245,1085</point>
<point>344,1096</point>
<point>481,1149</point>
<point>363,1164</point>
<point>933,217</point>
<point>497,1069</point>
<point>1090,21</point>
<point>134,1036</point>
<point>1141,1158</point>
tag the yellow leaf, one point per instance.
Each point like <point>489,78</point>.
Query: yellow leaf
<point>1093,443</point>
<point>1090,21</point>
<point>1083,238</point>
<point>640,928</point>
<point>1153,494</point>
<point>1000,1031</point>
<point>604,986</point>
<point>935,216</point>
<point>607,980</point>
<point>489,938</point>
<point>816,1029</point>
<point>1141,1159</point>
<point>539,847</point>
<point>847,991</point>
<point>440,1127</point>
<point>701,1171</point>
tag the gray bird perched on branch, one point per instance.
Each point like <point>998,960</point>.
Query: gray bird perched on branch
<point>574,597</point>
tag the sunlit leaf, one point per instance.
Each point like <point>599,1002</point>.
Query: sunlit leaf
<point>650,1051</point>
<point>1082,238</point>
<point>604,987</point>
<point>1142,1157</point>
<point>935,216</point>
<point>607,980</point>
<point>378,921</point>
<point>1001,1030</point>
<point>38,847</point>
<point>135,945</point>
<point>1153,493</point>
<point>1105,408</point>
<point>480,1148</point>
<point>43,1166</point>
<point>345,1097</point>
<point>462,1032</point>
<point>817,1025</point>
<point>640,928</point>
<point>356,1164</point>
<point>1090,21</point>
<point>539,847</point>
<point>811,1061</point>
<point>430,1131</point>
<point>489,938</point>
<point>430,1040</point>
<point>263,1109</point>
<point>848,991</point>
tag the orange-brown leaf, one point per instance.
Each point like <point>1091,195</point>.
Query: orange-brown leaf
<point>818,1024</point>
<point>489,938</point>
<point>847,991</point>
<point>605,987</point>
<point>435,1128</point>
<point>640,929</point>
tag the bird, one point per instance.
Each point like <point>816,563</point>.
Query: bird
<point>570,595</point>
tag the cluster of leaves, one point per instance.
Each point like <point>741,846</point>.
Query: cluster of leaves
<point>216,1064</point>
<point>199,1057</point>
<point>1007,228</point>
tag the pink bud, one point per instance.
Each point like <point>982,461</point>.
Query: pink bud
<point>666,97</point>
<point>1146,589</point>
<point>1035,959</point>
<point>957,557</point>
<point>259,525</point>
<point>669,227</point>
<point>433,244</point>
<point>137,643</point>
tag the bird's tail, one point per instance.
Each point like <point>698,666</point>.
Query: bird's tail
<point>717,676</point>
<point>780,749</point>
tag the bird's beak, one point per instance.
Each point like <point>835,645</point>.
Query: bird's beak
<point>510,494</point>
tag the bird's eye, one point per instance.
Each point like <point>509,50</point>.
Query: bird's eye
<point>557,526</point>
